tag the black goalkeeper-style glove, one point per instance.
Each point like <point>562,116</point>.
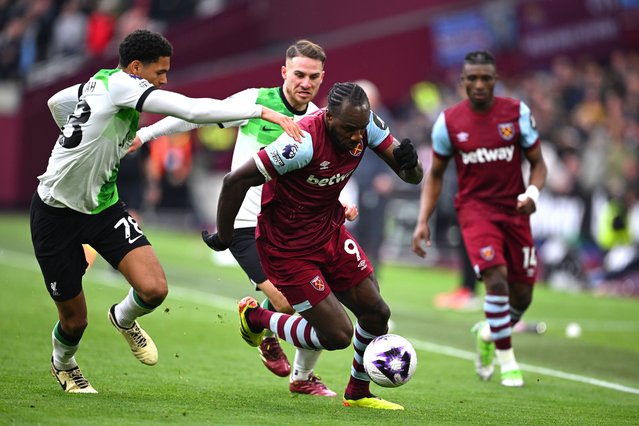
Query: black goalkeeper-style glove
<point>213,241</point>
<point>405,155</point>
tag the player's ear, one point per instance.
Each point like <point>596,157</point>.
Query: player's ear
<point>329,116</point>
<point>283,70</point>
<point>136,67</point>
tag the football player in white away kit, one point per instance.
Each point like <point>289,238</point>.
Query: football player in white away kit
<point>77,201</point>
<point>302,73</point>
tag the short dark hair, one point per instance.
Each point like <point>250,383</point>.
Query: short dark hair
<point>306,48</point>
<point>144,46</point>
<point>345,92</point>
<point>479,57</point>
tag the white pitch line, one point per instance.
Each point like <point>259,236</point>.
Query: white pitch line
<point>106,278</point>
<point>459,353</point>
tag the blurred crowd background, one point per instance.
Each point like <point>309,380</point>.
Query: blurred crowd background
<point>574,62</point>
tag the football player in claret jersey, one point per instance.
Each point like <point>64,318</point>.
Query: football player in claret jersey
<point>303,244</point>
<point>487,136</point>
<point>302,76</point>
<point>77,201</point>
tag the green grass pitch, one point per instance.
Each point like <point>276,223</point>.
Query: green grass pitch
<point>208,375</point>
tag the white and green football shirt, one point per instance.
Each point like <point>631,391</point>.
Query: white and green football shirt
<point>85,160</point>
<point>255,134</point>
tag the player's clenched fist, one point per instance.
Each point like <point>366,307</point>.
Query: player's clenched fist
<point>213,241</point>
<point>405,155</point>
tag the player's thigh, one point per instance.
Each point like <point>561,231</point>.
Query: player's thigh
<point>348,265</point>
<point>143,271</point>
<point>331,322</point>
<point>484,241</point>
<point>276,297</point>
<point>114,233</point>
<point>55,234</point>
<point>520,251</point>
<point>120,241</point>
<point>305,287</point>
<point>365,299</point>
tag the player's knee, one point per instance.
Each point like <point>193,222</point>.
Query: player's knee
<point>74,326</point>
<point>281,305</point>
<point>375,321</point>
<point>383,312</point>
<point>521,302</point>
<point>155,293</point>
<point>339,339</point>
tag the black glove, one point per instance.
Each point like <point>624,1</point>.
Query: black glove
<point>405,155</point>
<point>213,241</point>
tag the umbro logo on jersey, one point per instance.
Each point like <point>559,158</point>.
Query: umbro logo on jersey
<point>462,136</point>
<point>324,165</point>
<point>269,129</point>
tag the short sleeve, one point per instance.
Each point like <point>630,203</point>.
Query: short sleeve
<point>377,131</point>
<point>285,155</point>
<point>439,135</point>
<point>527,126</point>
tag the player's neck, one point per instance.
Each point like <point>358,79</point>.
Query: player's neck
<point>483,107</point>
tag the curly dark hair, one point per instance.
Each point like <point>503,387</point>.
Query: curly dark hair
<point>341,93</point>
<point>144,46</point>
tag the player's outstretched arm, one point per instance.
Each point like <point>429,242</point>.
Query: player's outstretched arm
<point>198,110</point>
<point>208,110</point>
<point>234,188</point>
<point>431,190</point>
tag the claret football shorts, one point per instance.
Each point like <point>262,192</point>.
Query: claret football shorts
<point>497,238</point>
<point>305,280</point>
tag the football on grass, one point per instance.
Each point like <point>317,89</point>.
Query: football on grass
<point>390,360</point>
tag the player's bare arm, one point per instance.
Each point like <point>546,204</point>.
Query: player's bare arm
<point>527,201</point>
<point>234,188</point>
<point>403,159</point>
<point>431,191</point>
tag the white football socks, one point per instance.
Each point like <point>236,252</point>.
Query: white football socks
<point>63,354</point>
<point>129,309</point>
<point>304,363</point>
<point>506,359</point>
